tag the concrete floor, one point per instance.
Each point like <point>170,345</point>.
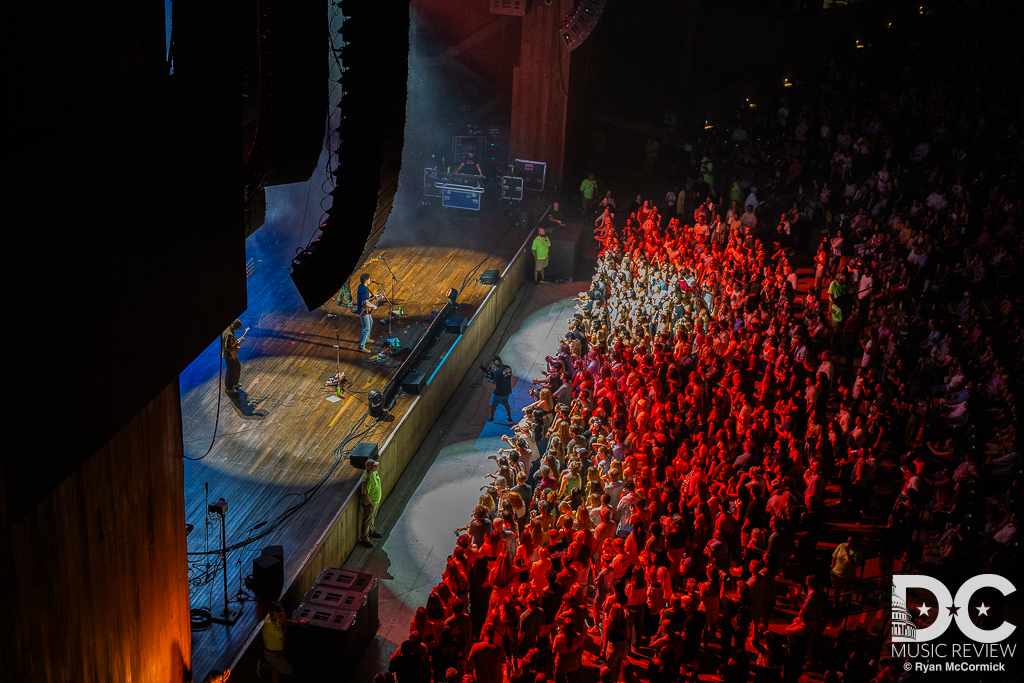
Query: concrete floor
<point>441,486</point>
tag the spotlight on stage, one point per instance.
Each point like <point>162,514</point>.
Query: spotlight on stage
<point>453,295</point>
<point>376,404</point>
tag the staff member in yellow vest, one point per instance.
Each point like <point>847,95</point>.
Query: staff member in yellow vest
<point>541,246</point>
<point>274,631</point>
<point>369,493</point>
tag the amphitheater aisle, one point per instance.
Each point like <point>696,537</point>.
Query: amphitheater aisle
<point>442,483</point>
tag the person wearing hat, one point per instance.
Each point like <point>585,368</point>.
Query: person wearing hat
<point>369,494</point>
<point>274,633</point>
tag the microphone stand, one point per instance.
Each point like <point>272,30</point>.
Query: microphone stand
<point>391,299</point>
<point>337,339</point>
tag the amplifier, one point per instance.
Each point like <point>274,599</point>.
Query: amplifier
<point>490,277</point>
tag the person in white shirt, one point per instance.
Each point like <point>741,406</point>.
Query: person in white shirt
<point>826,367</point>
<point>748,219</point>
<point>937,201</point>
<point>751,198</point>
<point>867,285</point>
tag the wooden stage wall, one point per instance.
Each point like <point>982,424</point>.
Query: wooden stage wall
<point>95,577</point>
<point>338,540</point>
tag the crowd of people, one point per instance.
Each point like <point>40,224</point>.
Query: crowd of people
<point>672,489</point>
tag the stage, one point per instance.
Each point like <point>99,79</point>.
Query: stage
<point>276,440</point>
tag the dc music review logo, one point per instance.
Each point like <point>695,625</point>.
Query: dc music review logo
<point>911,640</point>
<point>948,609</point>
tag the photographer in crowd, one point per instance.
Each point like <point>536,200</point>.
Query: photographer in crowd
<point>500,375</point>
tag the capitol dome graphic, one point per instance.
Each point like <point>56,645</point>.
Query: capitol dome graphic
<point>903,629</point>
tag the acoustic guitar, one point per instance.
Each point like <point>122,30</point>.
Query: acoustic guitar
<point>234,353</point>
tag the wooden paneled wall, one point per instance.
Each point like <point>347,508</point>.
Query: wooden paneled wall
<point>540,89</point>
<point>95,577</point>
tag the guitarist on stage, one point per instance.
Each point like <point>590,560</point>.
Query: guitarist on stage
<point>365,305</point>
<point>229,344</point>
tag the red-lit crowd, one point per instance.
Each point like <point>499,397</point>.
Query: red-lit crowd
<point>669,493</point>
<point>653,492</point>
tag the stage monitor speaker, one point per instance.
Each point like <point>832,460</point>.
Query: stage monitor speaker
<point>363,451</point>
<point>490,277</point>
<point>455,324</point>
<point>414,383</point>
<point>267,577</point>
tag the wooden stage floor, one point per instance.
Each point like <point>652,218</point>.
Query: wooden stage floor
<point>275,442</point>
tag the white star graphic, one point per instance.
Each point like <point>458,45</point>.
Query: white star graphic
<point>983,609</point>
<point>923,609</point>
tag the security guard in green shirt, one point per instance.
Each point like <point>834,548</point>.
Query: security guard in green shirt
<point>540,247</point>
<point>369,495</point>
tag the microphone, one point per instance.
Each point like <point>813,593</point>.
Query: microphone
<point>376,283</point>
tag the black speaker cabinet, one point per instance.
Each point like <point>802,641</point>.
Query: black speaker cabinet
<point>490,277</point>
<point>274,551</point>
<point>455,324</point>
<point>330,639</point>
<point>414,383</point>
<point>564,253</point>
<point>363,451</point>
<point>267,577</point>
<point>353,582</point>
<point>347,601</point>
